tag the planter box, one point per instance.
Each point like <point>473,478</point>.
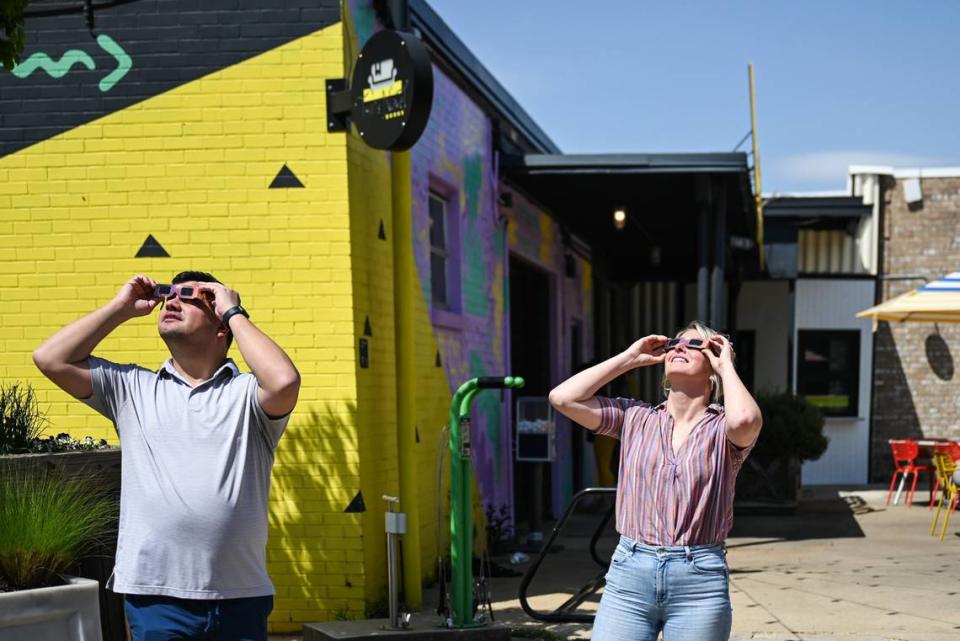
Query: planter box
<point>63,613</point>
<point>768,485</point>
<point>104,465</point>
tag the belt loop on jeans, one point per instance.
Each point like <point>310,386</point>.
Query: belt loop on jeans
<point>686,549</point>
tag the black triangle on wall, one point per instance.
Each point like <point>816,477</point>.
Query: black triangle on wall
<point>285,178</point>
<point>439,364</point>
<point>151,249</point>
<point>356,505</point>
<point>382,235</point>
<point>367,330</point>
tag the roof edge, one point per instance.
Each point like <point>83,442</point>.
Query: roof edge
<point>445,42</point>
<point>906,172</point>
<point>720,162</point>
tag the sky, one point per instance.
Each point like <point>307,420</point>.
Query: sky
<point>839,82</point>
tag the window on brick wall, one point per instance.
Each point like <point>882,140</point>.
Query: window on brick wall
<point>440,252</point>
<point>828,370</point>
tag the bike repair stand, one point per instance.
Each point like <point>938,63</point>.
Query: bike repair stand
<point>461,499</point>
<point>460,624</point>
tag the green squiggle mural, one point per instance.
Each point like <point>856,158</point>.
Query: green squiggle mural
<point>124,63</point>
<point>60,68</point>
<point>54,68</point>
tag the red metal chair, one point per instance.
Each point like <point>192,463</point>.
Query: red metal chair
<point>951,449</point>
<point>904,457</point>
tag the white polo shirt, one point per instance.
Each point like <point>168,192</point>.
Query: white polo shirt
<point>195,480</point>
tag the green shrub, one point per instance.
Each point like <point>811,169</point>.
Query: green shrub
<point>47,523</point>
<point>21,421</point>
<point>791,427</point>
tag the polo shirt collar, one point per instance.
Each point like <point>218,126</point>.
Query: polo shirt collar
<point>167,369</point>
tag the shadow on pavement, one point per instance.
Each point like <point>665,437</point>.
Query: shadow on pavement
<point>826,516</point>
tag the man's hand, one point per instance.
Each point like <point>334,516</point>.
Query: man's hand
<point>220,297</point>
<point>646,351</point>
<point>63,357</point>
<point>136,297</point>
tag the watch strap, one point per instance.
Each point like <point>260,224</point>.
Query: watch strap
<point>230,313</point>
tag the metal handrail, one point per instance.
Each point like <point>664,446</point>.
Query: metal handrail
<point>561,614</point>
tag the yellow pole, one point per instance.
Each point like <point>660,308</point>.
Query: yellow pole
<point>758,185</point>
<point>404,290</point>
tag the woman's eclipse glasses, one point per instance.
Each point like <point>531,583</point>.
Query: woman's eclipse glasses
<point>690,343</point>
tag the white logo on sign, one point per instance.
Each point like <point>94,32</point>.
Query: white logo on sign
<point>382,74</point>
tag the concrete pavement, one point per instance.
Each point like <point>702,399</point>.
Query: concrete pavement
<point>844,567</point>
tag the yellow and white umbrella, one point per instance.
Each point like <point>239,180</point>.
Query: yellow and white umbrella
<point>936,302</point>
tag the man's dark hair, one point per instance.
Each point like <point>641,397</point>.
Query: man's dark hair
<point>201,277</point>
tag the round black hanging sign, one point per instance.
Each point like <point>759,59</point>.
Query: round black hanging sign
<point>392,90</point>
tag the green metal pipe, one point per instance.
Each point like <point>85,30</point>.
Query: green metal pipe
<point>461,502</point>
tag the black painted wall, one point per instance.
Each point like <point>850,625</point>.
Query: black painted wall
<point>170,42</point>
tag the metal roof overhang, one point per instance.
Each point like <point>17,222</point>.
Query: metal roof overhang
<point>662,194</point>
<point>818,212</point>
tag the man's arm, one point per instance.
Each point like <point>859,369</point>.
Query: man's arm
<point>63,357</point>
<point>278,380</point>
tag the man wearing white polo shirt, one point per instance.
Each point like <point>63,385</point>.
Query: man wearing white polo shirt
<point>198,441</point>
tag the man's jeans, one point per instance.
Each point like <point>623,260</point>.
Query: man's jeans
<point>164,618</point>
<point>682,590</point>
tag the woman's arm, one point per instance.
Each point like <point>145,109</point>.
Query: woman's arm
<point>743,414</point>
<point>575,397</point>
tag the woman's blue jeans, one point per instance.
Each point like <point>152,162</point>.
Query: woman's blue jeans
<point>681,590</point>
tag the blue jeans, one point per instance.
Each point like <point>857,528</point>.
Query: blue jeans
<point>683,591</point>
<point>164,618</point>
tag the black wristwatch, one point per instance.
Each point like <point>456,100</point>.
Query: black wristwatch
<point>230,313</point>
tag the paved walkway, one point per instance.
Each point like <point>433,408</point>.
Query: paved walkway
<point>844,567</point>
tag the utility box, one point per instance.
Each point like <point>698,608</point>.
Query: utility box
<point>536,433</point>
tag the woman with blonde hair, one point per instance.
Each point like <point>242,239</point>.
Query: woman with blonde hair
<point>678,466</point>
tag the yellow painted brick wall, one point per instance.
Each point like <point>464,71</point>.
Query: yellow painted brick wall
<point>370,204</point>
<point>372,272</point>
<point>372,267</point>
<point>192,167</point>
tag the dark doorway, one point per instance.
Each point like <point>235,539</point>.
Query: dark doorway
<point>576,434</point>
<point>530,357</point>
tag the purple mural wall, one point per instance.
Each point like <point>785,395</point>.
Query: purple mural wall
<point>454,163</point>
<point>455,166</point>
<point>534,235</point>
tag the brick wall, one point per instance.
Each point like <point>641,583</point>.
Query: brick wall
<point>190,162</point>
<point>915,380</point>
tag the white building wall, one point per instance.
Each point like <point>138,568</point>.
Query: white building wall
<point>833,304</point>
<point>765,308</point>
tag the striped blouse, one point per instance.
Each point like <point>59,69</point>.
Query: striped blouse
<point>667,500</point>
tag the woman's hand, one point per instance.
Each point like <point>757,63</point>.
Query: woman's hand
<point>719,351</point>
<point>646,351</point>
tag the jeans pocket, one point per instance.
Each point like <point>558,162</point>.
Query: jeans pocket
<point>709,564</point>
<point>620,555</point>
